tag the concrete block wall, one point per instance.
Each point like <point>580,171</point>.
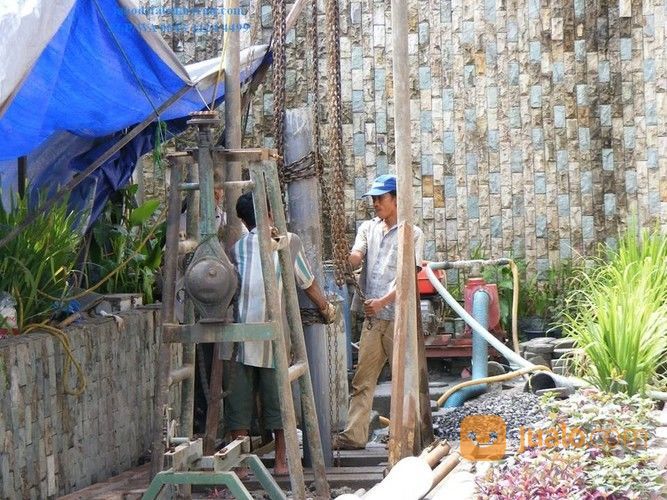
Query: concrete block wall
<point>538,126</point>
<point>52,443</point>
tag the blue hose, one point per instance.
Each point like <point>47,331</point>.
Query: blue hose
<point>480,352</point>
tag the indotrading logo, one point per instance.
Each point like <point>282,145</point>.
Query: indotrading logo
<point>484,437</point>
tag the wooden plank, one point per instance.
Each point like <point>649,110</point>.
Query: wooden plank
<point>405,424</point>
<point>217,331</point>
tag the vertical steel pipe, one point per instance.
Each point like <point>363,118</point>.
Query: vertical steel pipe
<point>305,221</point>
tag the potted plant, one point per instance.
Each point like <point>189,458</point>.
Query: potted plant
<point>534,309</point>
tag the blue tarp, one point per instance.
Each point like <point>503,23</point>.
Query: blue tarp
<point>96,77</point>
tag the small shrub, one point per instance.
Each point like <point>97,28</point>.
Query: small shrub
<point>126,246</point>
<point>35,265</point>
<point>619,316</point>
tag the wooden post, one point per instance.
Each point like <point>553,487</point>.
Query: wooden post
<point>233,229</point>
<point>405,415</point>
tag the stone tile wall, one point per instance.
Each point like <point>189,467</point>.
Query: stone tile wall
<point>538,126</point>
<point>52,443</point>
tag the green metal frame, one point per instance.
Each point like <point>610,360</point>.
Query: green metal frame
<point>222,478</point>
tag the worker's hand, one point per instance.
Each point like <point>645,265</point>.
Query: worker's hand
<point>372,307</point>
<point>329,313</point>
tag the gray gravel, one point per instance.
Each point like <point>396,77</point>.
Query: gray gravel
<point>515,407</point>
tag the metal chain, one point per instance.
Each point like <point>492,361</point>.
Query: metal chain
<point>338,236</point>
<point>301,169</point>
<point>314,83</point>
<point>334,384</point>
<point>279,63</point>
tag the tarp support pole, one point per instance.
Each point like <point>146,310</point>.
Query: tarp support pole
<point>22,175</point>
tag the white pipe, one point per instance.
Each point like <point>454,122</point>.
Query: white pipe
<point>659,395</point>
<point>511,356</point>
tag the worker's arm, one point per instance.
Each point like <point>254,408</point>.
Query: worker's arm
<point>327,310</point>
<point>373,306</point>
<point>355,258</point>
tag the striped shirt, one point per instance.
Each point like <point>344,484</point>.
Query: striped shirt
<point>250,305</point>
<point>379,246</point>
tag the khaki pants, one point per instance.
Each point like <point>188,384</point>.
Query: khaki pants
<point>375,348</point>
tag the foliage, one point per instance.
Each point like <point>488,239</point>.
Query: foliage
<point>619,316</point>
<point>502,277</point>
<point>561,475</point>
<point>591,410</point>
<point>546,298</point>
<point>118,243</point>
<point>35,265</point>
<point>615,472</point>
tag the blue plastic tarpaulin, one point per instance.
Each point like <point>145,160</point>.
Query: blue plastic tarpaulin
<point>75,88</point>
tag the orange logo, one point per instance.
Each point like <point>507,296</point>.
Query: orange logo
<point>483,437</point>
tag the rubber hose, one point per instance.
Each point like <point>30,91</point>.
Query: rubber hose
<point>496,378</point>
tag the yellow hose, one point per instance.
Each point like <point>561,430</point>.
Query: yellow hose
<point>515,307</point>
<point>496,378</point>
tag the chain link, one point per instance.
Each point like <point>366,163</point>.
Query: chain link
<point>279,63</point>
<point>338,236</point>
<point>301,169</point>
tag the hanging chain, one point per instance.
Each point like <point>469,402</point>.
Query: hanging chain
<point>279,63</point>
<point>338,237</point>
<point>334,383</point>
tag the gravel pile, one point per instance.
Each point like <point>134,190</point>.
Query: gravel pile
<point>515,407</point>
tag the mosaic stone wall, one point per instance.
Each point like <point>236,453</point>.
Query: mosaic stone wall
<point>52,443</point>
<point>538,126</point>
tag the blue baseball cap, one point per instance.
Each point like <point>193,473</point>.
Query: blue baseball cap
<point>383,184</point>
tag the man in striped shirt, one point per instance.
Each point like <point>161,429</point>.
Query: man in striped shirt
<point>252,365</point>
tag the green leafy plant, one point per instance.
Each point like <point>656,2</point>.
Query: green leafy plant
<point>501,276</point>
<point>35,265</point>
<point>127,245</point>
<point>619,316</point>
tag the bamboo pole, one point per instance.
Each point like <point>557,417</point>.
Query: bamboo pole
<point>233,229</point>
<point>161,396</point>
<point>405,416</point>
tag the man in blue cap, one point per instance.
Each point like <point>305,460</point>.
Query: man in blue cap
<point>376,247</point>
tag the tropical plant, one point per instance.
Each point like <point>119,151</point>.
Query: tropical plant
<point>501,276</point>
<point>35,265</point>
<point>619,316</point>
<point>127,246</point>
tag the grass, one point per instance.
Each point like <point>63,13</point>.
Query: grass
<point>619,319</point>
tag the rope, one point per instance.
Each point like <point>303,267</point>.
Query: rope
<point>127,59</point>
<point>69,357</point>
<point>221,68</point>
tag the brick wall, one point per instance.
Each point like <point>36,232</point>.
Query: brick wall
<point>52,443</point>
<point>538,126</point>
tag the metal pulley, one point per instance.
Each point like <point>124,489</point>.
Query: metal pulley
<point>210,279</point>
